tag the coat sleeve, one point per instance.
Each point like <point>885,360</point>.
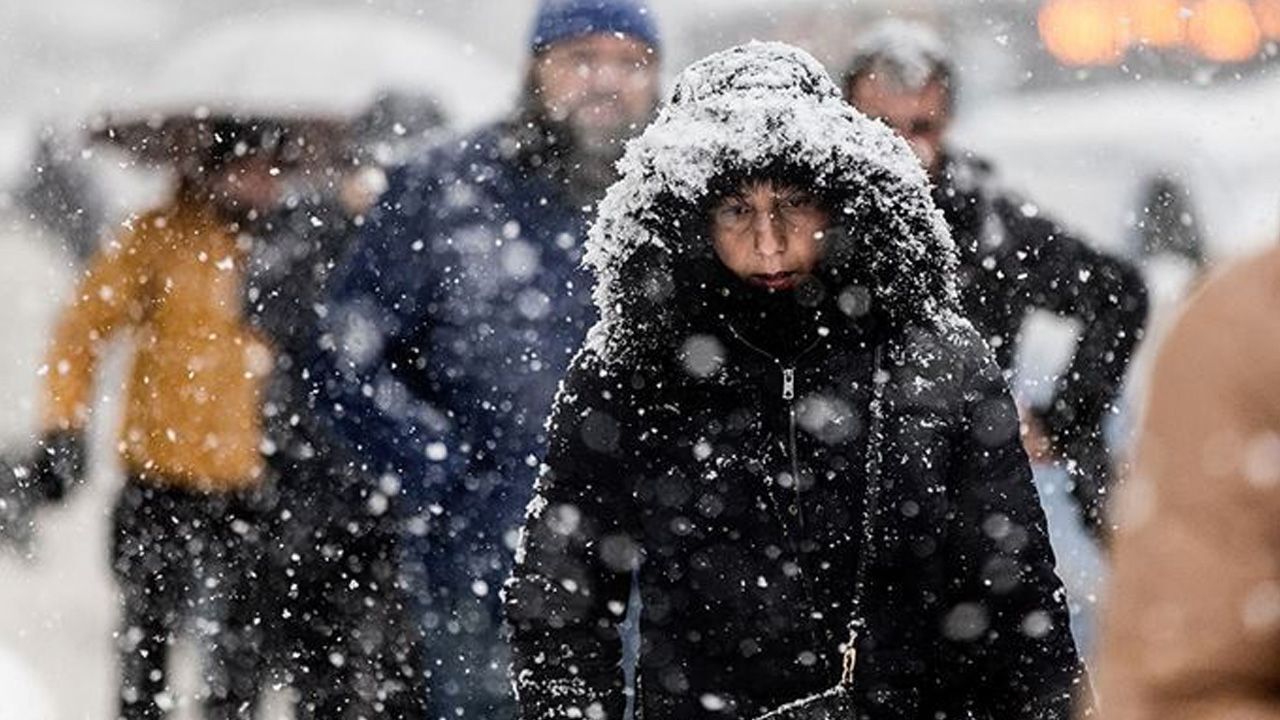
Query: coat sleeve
<point>287,274</point>
<point>573,569</point>
<point>1105,294</point>
<point>109,297</point>
<point>1006,622</point>
<point>1191,629</point>
<point>373,354</point>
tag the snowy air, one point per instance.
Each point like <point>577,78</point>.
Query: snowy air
<point>640,360</point>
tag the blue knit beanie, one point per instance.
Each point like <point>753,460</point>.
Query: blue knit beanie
<point>568,19</point>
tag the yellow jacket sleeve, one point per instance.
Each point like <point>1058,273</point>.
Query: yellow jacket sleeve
<point>110,297</point>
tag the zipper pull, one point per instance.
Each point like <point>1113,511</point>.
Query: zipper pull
<point>849,664</point>
<point>850,661</point>
<point>788,383</point>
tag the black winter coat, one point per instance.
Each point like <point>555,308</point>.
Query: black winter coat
<point>1014,259</point>
<point>728,449</point>
<point>747,584</point>
<point>294,254</point>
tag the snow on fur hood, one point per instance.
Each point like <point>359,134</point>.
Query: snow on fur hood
<point>749,108</point>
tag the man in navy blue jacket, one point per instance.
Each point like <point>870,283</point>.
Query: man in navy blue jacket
<point>457,314</point>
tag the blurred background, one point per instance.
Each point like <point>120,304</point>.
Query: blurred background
<point>1126,119</point>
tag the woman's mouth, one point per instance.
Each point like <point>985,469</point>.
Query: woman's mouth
<point>776,281</point>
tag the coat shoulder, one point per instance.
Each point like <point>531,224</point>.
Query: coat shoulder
<point>1246,292</point>
<point>943,366</point>
<point>453,158</point>
<point>951,339</point>
<point>1230,324</point>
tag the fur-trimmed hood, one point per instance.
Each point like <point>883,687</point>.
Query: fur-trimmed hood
<point>746,110</point>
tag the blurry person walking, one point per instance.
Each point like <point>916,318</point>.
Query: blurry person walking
<point>784,426</point>
<point>186,530</point>
<point>1169,242</point>
<point>1013,257</point>
<point>343,628</point>
<point>457,315</point>
<point>1192,621</point>
<point>59,194</point>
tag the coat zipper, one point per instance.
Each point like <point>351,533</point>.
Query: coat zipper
<point>789,395</point>
<point>849,654</point>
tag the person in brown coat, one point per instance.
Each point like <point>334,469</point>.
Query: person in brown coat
<point>185,524</point>
<point>1192,626</point>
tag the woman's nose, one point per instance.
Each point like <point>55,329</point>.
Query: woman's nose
<point>769,238</point>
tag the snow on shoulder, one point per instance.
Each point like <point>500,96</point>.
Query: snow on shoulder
<point>748,108</point>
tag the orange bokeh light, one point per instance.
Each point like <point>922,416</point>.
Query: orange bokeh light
<point>1082,32</point>
<point>1099,32</point>
<point>1224,30</point>
<point>1267,13</point>
<point>1158,23</point>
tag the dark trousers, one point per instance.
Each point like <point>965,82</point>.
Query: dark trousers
<point>457,584</point>
<point>349,648</point>
<point>344,632</point>
<point>186,560</point>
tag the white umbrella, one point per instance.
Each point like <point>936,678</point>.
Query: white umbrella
<point>325,63</point>
<point>298,64</point>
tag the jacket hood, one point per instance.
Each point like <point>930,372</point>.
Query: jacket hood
<point>748,110</point>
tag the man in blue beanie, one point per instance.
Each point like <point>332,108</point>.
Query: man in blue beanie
<point>592,83</point>
<point>456,315</point>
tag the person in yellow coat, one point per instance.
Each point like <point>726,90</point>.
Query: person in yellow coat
<point>184,540</point>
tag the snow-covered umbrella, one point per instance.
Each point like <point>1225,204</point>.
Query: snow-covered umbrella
<point>297,67</point>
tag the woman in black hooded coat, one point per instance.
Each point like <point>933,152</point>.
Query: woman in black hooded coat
<point>779,457</point>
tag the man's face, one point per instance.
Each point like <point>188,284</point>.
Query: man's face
<point>769,235</point>
<point>247,186</point>
<point>600,85</point>
<point>920,116</point>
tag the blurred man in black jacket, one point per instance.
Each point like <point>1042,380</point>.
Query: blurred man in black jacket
<point>1013,258</point>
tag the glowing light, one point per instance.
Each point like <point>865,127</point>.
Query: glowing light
<point>1267,13</point>
<point>1100,32</point>
<point>1157,23</point>
<point>1224,30</point>
<point>1082,32</point>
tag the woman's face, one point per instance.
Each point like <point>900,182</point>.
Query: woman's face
<point>768,234</point>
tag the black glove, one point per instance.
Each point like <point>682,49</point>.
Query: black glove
<point>1084,453</point>
<point>59,464</point>
<point>1092,485</point>
<point>17,505</point>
